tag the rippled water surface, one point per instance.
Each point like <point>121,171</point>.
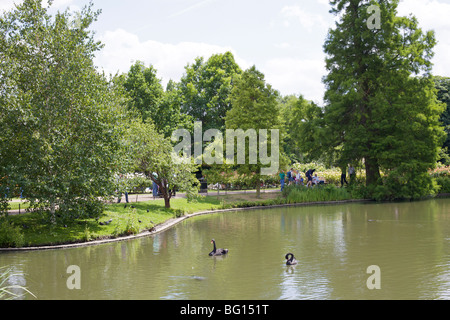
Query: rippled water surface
<point>334,246</point>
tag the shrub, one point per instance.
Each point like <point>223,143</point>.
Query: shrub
<point>404,185</point>
<point>132,226</point>
<point>299,194</point>
<point>10,235</point>
<point>444,184</point>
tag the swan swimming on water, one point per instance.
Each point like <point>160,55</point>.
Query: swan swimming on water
<point>290,261</point>
<point>217,252</point>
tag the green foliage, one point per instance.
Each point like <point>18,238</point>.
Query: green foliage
<point>300,194</point>
<point>152,102</point>
<point>61,121</point>
<point>254,204</point>
<point>443,95</point>
<point>132,224</point>
<point>381,103</point>
<point>254,103</point>
<point>444,184</point>
<point>302,129</point>
<point>132,182</point>
<point>405,186</point>
<point>206,88</point>
<point>4,204</point>
<point>442,177</point>
<point>144,88</point>
<point>152,155</point>
<point>11,236</point>
<point>170,116</point>
<point>254,107</point>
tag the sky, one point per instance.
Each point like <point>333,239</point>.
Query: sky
<point>283,39</point>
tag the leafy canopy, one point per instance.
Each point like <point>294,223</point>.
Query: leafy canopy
<point>152,155</point>
<point>61,121</point>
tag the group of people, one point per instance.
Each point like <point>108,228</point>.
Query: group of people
<point>295,177</point>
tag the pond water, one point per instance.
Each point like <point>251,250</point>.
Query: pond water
<point>334,245</point>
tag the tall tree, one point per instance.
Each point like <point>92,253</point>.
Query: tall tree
<point>144,88</point>
<point>380,98</point>
<point>60,120</point>
<point>148,98</point>
<point>301,128</point>
<point>254,108</point>
<point>170,116</point>
<point>206,86</point>
<point>443,87</point>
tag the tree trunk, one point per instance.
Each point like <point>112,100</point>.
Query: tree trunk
<point>372,171</point>
<point>166,194</point>
<point>167,201</point>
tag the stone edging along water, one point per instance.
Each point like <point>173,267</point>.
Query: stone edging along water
<point>172,222</point>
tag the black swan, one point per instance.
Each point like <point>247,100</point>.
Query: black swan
<point>217,252</point>
<point>291,261</point>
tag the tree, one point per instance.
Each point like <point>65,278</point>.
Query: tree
<point>152,102</point>
<point>61,121</point>
<point>152,155</point>
<point>254,107</point>
<point>380,98</point>
<point>144,88</point>
<point>206,87</point>
<point>170,116</point>
<point>443,95</point>
<point>301,128</point>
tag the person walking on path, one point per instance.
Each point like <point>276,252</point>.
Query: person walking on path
<point>299,179</point>
<point>309,176</point>
<point>343,176</point>
<point>122,185</point>
<point>282,177</point>
<point>291,176</point>
<point>352,173</point>
<point>155,190</point>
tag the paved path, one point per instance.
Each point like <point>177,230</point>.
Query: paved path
<point>148,197</point>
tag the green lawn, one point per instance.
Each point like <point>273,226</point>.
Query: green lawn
<point>15,205</point>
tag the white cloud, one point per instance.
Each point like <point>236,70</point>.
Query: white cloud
<point>283,45</point>
<point>190,8</point>
<point>433,15</point>
<point>324,2</point>
<point>6,5</point>
<point>122,49</point>
<point>307,20</point>
<point>441,60</point>
<point>297,76</point>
